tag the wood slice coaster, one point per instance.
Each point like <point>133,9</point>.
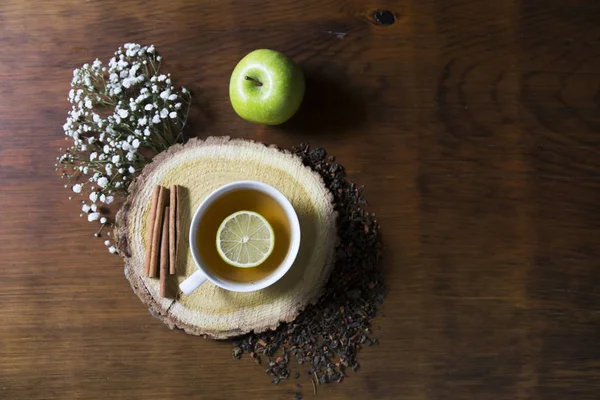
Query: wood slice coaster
<point>201,166</point>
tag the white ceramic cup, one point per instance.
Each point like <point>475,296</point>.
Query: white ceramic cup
<point>203,274</point>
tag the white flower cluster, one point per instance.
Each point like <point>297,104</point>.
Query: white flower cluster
<point>121,115</point>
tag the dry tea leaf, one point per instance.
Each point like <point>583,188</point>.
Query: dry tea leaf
<point>338,324</point>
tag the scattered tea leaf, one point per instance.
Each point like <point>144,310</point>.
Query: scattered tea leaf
<point>237,352</point>
<point>334,329</point>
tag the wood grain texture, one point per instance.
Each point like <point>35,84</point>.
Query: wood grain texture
<point>473,125</point>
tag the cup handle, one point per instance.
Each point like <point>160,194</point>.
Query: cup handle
<point>193,282</point>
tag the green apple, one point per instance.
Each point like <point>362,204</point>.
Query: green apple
<point>266,87</point>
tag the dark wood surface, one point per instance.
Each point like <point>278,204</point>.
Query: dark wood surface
<point>474,126</point>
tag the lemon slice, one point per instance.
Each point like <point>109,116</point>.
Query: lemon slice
<point>245,239</point>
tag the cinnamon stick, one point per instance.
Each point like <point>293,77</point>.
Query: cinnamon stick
<point>172,236</point>
<point>160,208</point>
<point>177,220</point>
<point>150,229</point>
<point>164,253</point>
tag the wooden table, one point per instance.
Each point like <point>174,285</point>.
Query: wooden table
<point>474,126</point>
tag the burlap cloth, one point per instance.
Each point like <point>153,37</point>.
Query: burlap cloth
<point>201,166</point>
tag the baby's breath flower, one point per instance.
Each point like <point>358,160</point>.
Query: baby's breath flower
<point>112,249</point>
<point>120,112</point>
<point>97,65</point>
<point>102,182</point>
<point>93,216</point>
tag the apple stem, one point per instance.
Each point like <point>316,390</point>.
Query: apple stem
<point>254,80</point>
